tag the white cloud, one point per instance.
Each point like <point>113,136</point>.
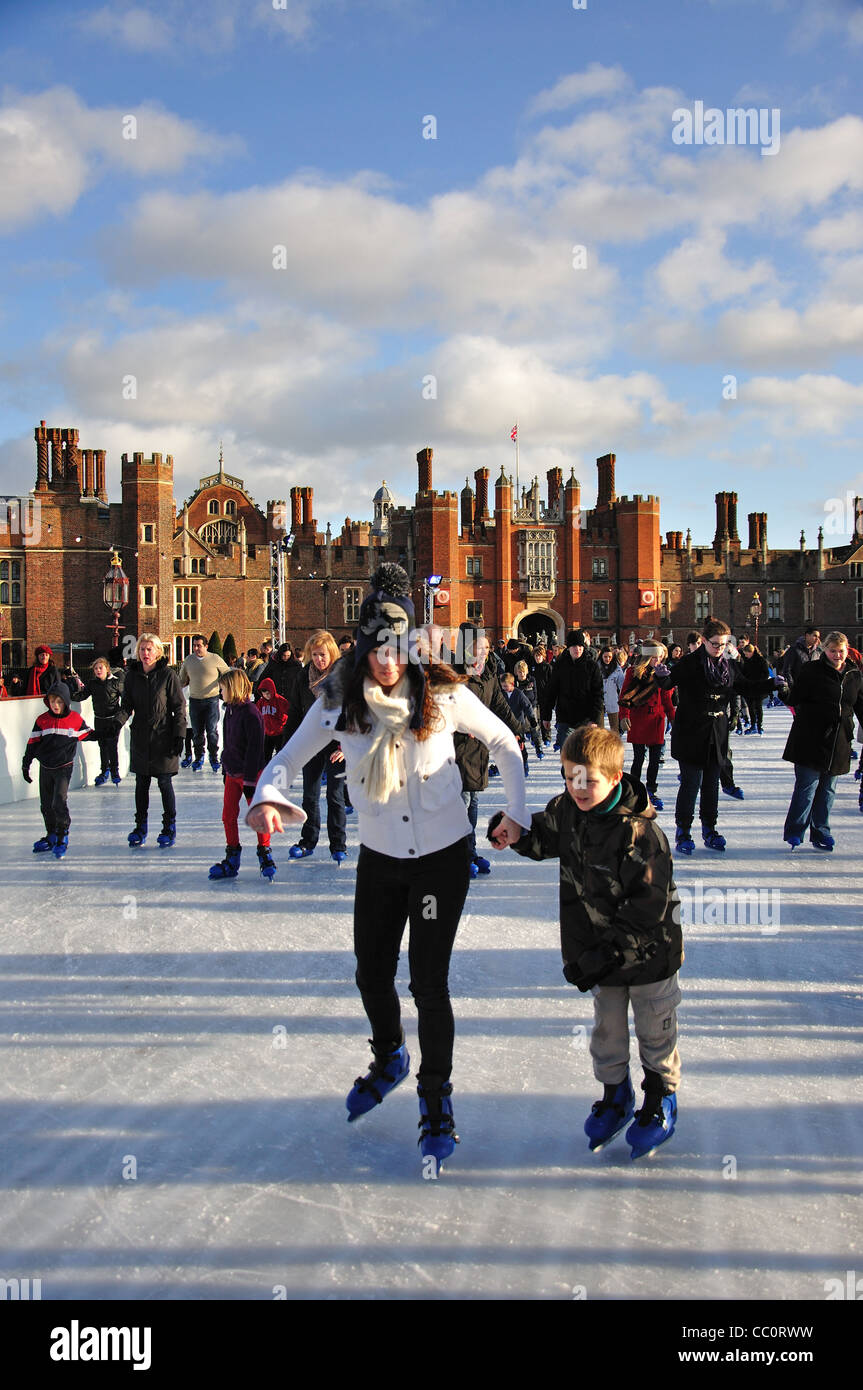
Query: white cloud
<point>808,404</point>
<point>843,233</point>
<point>135,28</point>
<point>697,272</point>
<point>53,147</point>
<point>597,80</point>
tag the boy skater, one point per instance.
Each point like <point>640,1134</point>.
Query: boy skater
<point>52,743</point>
<point>619,926</point>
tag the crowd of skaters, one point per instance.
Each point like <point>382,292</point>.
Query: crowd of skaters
<point>419,738</point>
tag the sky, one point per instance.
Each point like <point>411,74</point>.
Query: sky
<point>329,234</point>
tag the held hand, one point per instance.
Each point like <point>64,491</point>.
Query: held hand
<point>265,819</point>
<point>25,773</point>
<point>503,830</point>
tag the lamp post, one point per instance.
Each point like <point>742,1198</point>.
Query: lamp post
<point>115,593</point>
<point>755,613</point>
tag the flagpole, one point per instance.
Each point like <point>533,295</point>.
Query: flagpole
<point>516,461</point>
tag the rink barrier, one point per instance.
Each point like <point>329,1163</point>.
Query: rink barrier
<point>17,717</point>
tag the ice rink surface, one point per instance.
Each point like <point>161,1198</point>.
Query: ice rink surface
<point>178,1053</point>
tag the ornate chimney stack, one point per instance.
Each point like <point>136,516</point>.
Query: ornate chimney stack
<point>424,465</point>
<point>605,471</point>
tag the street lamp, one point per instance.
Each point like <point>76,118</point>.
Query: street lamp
<point>430,588</point>
<point>755,613</point>
<point>115,594</point>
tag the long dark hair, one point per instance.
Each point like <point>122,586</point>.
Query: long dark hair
<point>355,715</point>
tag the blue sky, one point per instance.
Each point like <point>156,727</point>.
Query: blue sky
<point>405,257</point>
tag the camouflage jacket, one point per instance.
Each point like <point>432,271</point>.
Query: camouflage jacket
<point>619,908</point>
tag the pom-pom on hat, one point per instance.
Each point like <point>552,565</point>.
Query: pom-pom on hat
<point>387,613</point>
<point>387,617</point>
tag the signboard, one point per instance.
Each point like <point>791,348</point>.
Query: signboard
<point>441,598</point>
<point>647,598</point>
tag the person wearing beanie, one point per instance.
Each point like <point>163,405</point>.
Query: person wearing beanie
<point>394,711</point>
<point>574,690</point>
<point>39,677</point>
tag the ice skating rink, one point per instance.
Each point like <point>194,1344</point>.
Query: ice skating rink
<point>177,1053</point>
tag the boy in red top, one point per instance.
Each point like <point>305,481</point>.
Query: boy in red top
<point>275,709</point>
<point>52,743</point>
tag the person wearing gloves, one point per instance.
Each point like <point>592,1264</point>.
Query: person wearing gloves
<point>394,711</point>
<point>153,699</point>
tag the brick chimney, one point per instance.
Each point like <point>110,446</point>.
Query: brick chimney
<point>554,478</point>
<point>466,506</point>
<point>721,519</point>
<point>480,510</point>
<point>605,494</point>
<point>307,493</point>
<point>757,529</point>
<point>424,465</point>
<point>295,510</point>
<point>732,518</point>
<point>41,435</point>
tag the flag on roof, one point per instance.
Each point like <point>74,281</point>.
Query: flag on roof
<point>513,434</point>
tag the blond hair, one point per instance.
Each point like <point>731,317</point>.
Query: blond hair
<point>149,637</point>
<point>324,639</point>
<point>100,661</point>
<point>601,749</point>
<point>836,639</point>
<point>521,670</point>
<point>236,685</point>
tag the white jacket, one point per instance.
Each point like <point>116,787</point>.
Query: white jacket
<point>427,812</point>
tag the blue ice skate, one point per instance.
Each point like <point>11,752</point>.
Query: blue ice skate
<point>388,1068</point>
<point>653,1125</point>
<point>609,1115</point>
<point>230,865</point>
<point>46,843</point>
<point>683,841</point>
<point>437,1127</point>
<point>712,839</point>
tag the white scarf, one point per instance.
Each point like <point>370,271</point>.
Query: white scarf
<point>390,714</point>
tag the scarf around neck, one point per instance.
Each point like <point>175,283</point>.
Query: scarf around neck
<point>390,713</point>
<point>717,670</point>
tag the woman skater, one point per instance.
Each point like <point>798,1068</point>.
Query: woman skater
<point>644,709</point>
<point>395,718</point>
<point>319,654</point>
<point>153,698</point>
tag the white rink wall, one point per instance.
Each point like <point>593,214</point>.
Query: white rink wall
<point>17,717</point>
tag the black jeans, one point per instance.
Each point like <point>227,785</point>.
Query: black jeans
<point>142,797</point>
<point>430,892</point>
<point>53,789</point>
<point>693,779</point>
<point>653,752</point>
<point>312,773</point>
<point>107,739</point>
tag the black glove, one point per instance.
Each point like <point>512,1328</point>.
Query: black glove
<point>592,966</point>
<point>25,772</point>
<point>177,746</point>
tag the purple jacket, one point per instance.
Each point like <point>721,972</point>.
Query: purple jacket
<point>243,742</point>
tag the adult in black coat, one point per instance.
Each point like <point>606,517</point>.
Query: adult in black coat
<point>705,681</point>
<point>574,690</point>
<point>153,699</point>
<point>514,652</point>
<point>805,650</point>
<point>471,756</point>
<point>826,696</point>
<point>286,672</point>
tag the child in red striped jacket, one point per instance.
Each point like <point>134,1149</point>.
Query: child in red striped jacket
<point>52,743</point>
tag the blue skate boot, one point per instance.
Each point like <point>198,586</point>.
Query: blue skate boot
<point>654,1123</point>
<point>138,835</point>
<point>683,841</point>
<point>390,1065</point>
<point>610,1114</point>
<point>266,863</point>
<point>46,843</point>
<point>437,1127</point>
<point>230,865</point>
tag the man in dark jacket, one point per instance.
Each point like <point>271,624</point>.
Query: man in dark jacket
<point>826,695</point>
<point>574,690</point>
<point>806,649</point>
<point>472,756</point>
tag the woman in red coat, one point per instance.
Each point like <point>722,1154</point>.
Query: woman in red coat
<point>644,709</point>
